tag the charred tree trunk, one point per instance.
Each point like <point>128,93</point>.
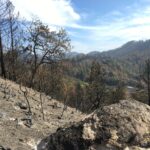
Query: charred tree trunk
<point>32,78</point>
<point>12,51</point>
<point>148,78</point>
<point>3,72</point>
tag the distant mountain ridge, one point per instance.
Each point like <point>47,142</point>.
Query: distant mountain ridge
<point>129,48</point>
<point>73,54</point>
<point>123,63</point>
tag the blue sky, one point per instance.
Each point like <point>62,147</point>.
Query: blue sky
<point>93,25</point>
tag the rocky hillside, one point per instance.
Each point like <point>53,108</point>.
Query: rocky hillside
<point>122,126</point>
<point>17,132</point>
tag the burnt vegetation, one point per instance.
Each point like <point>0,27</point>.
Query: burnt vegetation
<point>33,55</point>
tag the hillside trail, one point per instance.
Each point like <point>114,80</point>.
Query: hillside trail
<point>14,130</point>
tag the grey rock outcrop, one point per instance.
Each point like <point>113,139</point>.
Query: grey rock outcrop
<point>122,126</point>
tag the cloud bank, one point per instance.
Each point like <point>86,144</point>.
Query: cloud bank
<point>53,12</point>
<point>108,32</point>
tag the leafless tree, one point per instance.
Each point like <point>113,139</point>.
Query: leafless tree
<point>12,34</point>
<point>29,113</point>
<point>42,109</point>
<point>25,93</point>
<point>41,75</point>
<point>146,77</point>
<point>4,5</point>
<point>65,100</point>
<point>46,46</point>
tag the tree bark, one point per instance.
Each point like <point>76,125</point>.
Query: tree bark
<point>148,78</point>
<point>12,50</point>
<point>3,72</point>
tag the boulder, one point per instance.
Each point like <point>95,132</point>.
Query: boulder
<point>22,105</point>
<point>121,126</point>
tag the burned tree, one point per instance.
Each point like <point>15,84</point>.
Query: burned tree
<point>4,6</point>
<point>3,72</point>
<point>12,34</point>
<point>96,88</point>
<point>29,113</point>
<point>7,32</point>
<point>45,46</point>
<point>146,77</point>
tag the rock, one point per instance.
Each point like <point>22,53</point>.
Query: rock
<point>22,105</point>
<point>21,140</point>
<point>122,126</point>
<point>3,115</point>
<point>13,94</point>
<point>2,148</point>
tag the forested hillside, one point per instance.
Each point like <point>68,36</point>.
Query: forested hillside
<point>124,63</point>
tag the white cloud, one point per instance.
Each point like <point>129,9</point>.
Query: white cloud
<point>52,12</point>
<point>111,31</point>
<point>134,27</point>
<point>111,34</point>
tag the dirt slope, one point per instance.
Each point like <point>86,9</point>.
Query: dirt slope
<point>14,132</point>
